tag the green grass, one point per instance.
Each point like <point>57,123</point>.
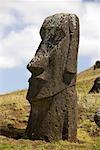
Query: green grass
<point>88,144</point>
<point>14,113</point>
<point>10,144</point>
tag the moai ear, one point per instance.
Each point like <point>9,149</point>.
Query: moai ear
<point>71,62</point>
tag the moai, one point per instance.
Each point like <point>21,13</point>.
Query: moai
<point>97,64</point>
<point>96,86</point>
<point>52,94</point>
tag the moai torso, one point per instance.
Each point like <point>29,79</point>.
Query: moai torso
<point>52,93</point>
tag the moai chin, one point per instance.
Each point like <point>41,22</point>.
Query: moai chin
<point>52,92</point>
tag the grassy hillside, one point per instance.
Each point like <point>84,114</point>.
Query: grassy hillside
<point>14,113</point>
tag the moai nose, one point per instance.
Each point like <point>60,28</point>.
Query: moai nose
<point>37,65</point>
<point>35,70</point>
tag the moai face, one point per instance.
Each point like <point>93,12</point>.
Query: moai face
<point>50,61</point>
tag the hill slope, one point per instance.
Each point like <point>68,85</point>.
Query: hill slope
<point>14,113</point>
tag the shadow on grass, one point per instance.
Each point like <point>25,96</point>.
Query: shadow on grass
<point>11,132</point>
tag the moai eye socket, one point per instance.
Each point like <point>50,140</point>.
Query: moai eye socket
<point>51,37</point>
<point>57,36</point>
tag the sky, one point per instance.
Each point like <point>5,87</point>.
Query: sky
<point>20,22</point>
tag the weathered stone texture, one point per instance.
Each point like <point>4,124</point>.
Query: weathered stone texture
<point>52,92</point>
<point>96,86</point>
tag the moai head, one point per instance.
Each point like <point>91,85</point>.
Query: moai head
<point>55,61</point>
<point>97,64</point>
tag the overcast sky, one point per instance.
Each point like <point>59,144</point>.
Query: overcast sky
<point>20,21</point>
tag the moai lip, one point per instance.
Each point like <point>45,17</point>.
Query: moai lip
<point>52,92</point>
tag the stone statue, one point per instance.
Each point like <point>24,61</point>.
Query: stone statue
<point>96,86</point>
<point>97,64</point>
<point>52,92</point>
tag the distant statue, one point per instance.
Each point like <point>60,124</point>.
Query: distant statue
<point>97,64</point>
<point>52,92</point>
<point>97,117</point>
<point>96,86</point>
